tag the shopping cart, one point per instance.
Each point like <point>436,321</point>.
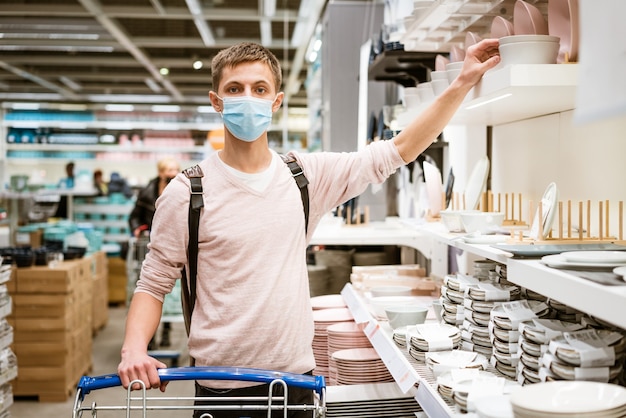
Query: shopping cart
<point>142,403</point>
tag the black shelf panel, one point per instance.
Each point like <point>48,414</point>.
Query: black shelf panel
<point>406,68</point>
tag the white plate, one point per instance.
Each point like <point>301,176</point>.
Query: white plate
<point>620,271</point>
<point>610,257</point>
<point>476,183</point>
<point>548,210</point>
<point>558,261</point>
<point>486,239</point>
<point>563,397</point>
<point>434,188</point>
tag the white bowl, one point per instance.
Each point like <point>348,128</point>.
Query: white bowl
<point>457,65</point>
<point>438,307</point>
<point>528,38</point>
<point>482,222</point>
<point>438,75</point>
<point>440,85</point>
<point>379,303</point>
<point>425,91</point>
<point>453,69</point>
<point>451,219</point>
<point>535,52</point>
<point>377,291</point>
<point>403,315</point>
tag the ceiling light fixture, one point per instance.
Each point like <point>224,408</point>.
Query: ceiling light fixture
<point>153,85</point>
<point>197,64</point>
<point>164,71</point>
<point>119,107</point>
<point>165,108</point>
<point>201,25</point>
<point>70,83</point>
<point>266,32</point>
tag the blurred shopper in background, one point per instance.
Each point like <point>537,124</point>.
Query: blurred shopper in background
<point>101,186</point>
<point>140,219</point>
<point>66,182</point>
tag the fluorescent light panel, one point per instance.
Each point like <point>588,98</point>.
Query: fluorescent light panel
<point>119,107</point>
<point>165,108</point>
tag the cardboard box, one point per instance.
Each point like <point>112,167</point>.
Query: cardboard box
<point>63,278</point>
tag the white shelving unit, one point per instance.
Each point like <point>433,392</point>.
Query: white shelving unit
<point>513,93</point>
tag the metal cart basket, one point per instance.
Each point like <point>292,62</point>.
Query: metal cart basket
<point>137,402</point>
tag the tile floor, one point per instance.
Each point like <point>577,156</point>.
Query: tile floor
<point>106,355</point>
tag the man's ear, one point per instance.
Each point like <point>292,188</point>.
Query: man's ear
<point>278,102</point>
<point>215,101</point>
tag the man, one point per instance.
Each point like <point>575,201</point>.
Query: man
<point>253,306</point>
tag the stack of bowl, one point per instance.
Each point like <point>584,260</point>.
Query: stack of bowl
<point>528,49</point>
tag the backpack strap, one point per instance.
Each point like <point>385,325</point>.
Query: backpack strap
<point>302,182</point>
<point>196,203</point>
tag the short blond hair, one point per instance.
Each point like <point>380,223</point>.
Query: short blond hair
<point>242,53</point>
<point>166,163</point>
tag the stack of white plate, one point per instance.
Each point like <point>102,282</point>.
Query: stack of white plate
<point>574,399</point>
<point>360,365</point>
<point>504,331</point>
<point>343,336</point>
<point>323,318</point>
<point>440,362</point>
<point>569,357</point>
<point>424,338</point>
<point>534,339</point>
<point>456,386</point>
<point>479,302</point>
<point>453,295</point>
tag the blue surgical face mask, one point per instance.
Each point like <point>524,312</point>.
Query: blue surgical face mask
<point>246,117</point>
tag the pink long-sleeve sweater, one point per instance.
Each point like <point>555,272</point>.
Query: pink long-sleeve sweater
<point>253,305</point>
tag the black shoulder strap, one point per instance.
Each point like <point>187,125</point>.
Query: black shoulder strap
<point>196,203</point>
<point>302,182</point>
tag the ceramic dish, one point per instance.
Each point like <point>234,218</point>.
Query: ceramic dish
<point>501,27</point>
<point>563,21</point>
<point>528,20</point>
<point>610,257</point>
<point>476,183</point>
<point>620,271</point>
<point>471,38</point>
<point>574,397</point>
<point>548,210</point>
<point>434,188</point>
<point>559,261</point>
<point>440,62</point>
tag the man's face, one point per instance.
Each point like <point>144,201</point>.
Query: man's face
<point>249,79</point>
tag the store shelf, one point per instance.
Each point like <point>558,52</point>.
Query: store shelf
<point>389,232</point>
<point>607,303</point>
<point>513,93</point>
<point>406,68</point>
<point>103,148</point>
<point>581,294</point>
<point>112,125</point>
<point>405,375</point>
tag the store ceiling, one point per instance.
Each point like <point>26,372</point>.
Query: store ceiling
<point>99,51</point>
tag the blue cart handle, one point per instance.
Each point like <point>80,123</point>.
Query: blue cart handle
<point>316,383</point>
